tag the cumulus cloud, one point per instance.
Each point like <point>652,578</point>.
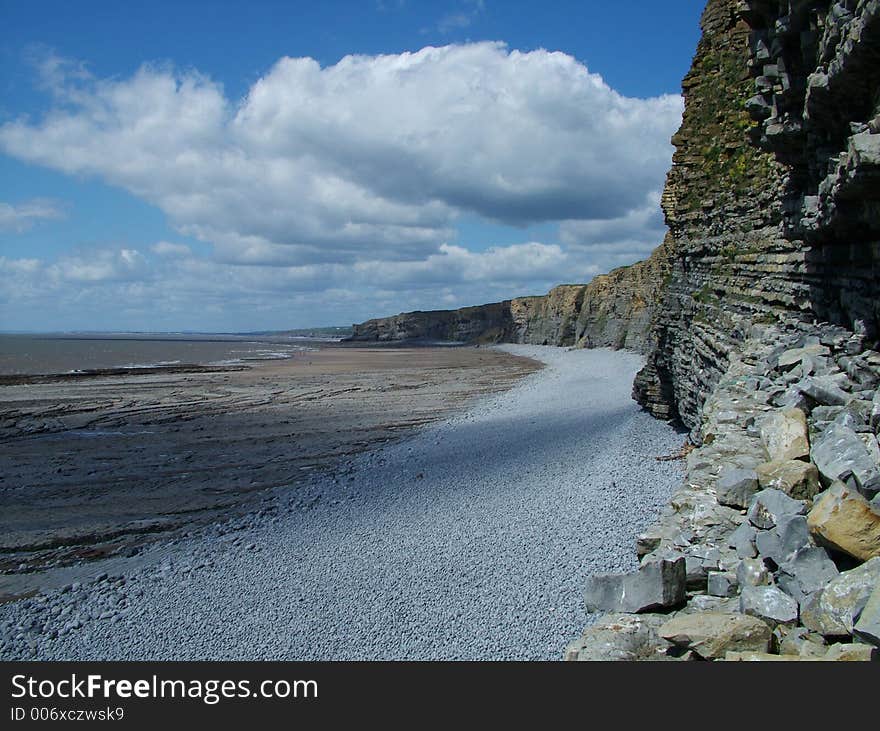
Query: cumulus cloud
<point>172,250</point>
<point>331,194</point>
<point>22,217</point>
<point>621,240</point>
<point>374,157</point>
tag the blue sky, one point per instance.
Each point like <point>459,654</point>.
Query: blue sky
<point>162,167</point>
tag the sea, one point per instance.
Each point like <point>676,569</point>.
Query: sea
<point>78,352</point>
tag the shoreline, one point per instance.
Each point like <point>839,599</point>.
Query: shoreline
<point>468,539</point>
<point>100,466</point>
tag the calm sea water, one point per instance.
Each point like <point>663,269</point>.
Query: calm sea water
<point>65,353</point>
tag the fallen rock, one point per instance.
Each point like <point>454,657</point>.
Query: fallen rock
<point>794,477</point>
<point>790,358</point>
<point>768,603</point>
<point>743,541</point>
<point>855,652</point>
<point>656,585</point>
<point>832,611</point>
<point>842,519</point>
<point>839,452</point>
<point>722,584</point>
<point>785,435</point>
<point>752,572</point>
<point>769,506</point>
<point>736,487</point>
<point>800,641</point>
<point>620,638</point>
<point>788,536</point>
<point>808,571</point>
<point>824,391</point>
<point>712,634</point>
<point>868,625</point>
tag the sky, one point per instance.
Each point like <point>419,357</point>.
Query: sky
<point>238,166</point>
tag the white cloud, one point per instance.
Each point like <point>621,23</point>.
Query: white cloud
<point>22,217</point>
<point>171,250</point>
<point>99,266</point>
<point>372,158</point>
<point>332,194</point>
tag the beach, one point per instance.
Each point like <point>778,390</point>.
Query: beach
<point>101,465</point>
<point>470,537</point>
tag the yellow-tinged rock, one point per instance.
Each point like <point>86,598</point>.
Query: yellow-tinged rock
<point>842,519</point>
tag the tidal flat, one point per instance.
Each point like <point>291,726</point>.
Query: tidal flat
<point>96,466</point>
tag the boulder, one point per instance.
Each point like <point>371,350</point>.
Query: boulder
<point>839,452</point>
<point>768,603</point>
<point>620,638</point>
<point>807,571</point>
<point>833,610</point>
<point>752,572</point>
<point>785,435</point>
<point>722,583</point>
<point>867,627</point>
<point>743,541</point>
<point>789,535</point>
<point>790,358</point>
<point>736,487</point>
<point>824,391</point>
<point>842,519</point>
<point>712,634</point>
<point>769,506</point>
<point>794,477</point>
<point>656,585</point>
<point>800,641</point>
<point>855,652</point>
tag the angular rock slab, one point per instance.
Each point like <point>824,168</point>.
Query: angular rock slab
<point>868,626</point>
<point>743,541</point>
<point>808,571</point>
<point>752,572</point>
<point>656,585</point>
<point>770,506</point>
<point>785,435</point>
<point>736,487</point>
<point>620,638</point>
<point>794,477</point>
<point>713,634</point>
<point>842,519</point>
<point>788,536</point>
<point>769,604</point>
<point>722,584</point>
<point>839,452</point>
<point>824,391</point>
<point>833,610</point>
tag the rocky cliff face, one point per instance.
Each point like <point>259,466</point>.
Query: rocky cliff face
<point>482,324</point>
<point>772,201</point>
<point>614,310</point>
<point>766,345</point>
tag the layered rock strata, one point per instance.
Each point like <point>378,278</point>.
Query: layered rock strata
<point>773,200</point>
<point>614,310</point>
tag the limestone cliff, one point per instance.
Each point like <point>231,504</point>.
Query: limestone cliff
<point>482,324</point>
<point>772,200</point>
<point>614,310</point>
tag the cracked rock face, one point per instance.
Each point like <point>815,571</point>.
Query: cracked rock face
<point>773,202</point>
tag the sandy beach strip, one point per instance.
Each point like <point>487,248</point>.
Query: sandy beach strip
<point>470,538</point>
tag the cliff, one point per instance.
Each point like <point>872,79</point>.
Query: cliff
<point>764,343</point>
<point>614,310</point>
<point>772,200</point>
<point>490,323</point>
